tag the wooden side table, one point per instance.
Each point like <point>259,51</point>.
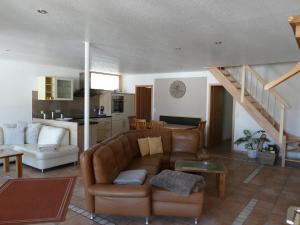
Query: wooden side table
<point>5,154</point>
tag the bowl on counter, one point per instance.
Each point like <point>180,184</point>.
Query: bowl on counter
<point>64,119</point>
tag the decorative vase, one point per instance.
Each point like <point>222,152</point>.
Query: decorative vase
<point>252,154</point>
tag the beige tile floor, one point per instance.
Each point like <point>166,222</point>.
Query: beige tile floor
<point>275,188</point>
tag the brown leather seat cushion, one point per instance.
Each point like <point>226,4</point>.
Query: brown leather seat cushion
<point>146,160</point>
<point>182,155</point>
<point>164,158</point>
<point>151,170</point>
<point>113,190</point>
<point>162,195</point>
<point>185,141</point>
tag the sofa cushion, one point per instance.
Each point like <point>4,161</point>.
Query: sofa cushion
<point>133,136</point>
<point>164,158</point>
<point>119,154</point>
<point>14,136</point>
<point>32,133</point>
<point>162,195</point>
<point>166,137</point>
<point>126,147</point>
<point>155,145</point>
<point>51,135</point>
<point>105,165</point>
<point>34,151</point>
<point>185,141</point>
<point>144,146</point>
<point>134,177</point>
<point>181,156</point>
<point>152,165</point>
<point>112,190</point>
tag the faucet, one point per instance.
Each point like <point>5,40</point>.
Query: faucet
<point>44,114</point>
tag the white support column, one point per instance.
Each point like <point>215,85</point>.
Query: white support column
<point>86,95</point>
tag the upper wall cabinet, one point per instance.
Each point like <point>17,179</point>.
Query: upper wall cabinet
<point>54,88</point>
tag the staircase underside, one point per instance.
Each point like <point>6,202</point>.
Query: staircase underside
<point>249,103</point>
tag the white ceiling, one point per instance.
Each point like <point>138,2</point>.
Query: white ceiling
<point>140,36</point>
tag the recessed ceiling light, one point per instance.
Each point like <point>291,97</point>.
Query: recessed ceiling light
<point>7,50</point>
<point>42,11</point>
<point>218,42</point>
<point>178,49</point>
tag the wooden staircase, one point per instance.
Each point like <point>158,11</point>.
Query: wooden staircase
<point>266,107</point>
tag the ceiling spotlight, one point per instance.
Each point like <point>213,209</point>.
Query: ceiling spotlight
<point>178,49</point>
<point>42,11</point>
<point>218,42</point>
<point>7,50</point>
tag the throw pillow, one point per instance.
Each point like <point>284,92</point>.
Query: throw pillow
<point>13,136</point>
<point>51,135</point>
<point>144,146</point>
<point>133,177</point>
<point>32,133</point>
<point>155,145</point>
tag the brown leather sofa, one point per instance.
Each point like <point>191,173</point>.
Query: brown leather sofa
<point>101,164</point>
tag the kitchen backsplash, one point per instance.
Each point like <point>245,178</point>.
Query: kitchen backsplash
<point>72,109</point>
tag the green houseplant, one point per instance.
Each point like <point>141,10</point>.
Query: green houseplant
<point>252,141</point>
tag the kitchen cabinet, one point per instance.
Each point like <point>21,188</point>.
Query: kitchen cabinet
<point>119,120</point>
<point>54,88</point>
<point>93,136</point>
<point>104,128</point>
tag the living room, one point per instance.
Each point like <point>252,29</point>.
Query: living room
<point>192,98</point>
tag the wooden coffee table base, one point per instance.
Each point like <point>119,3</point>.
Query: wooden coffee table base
<point>6,155</point>
<point>221,184</point>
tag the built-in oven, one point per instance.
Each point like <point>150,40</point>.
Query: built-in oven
<point>117,103</point>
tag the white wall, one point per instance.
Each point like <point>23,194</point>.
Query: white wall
<point>131,80</point>
<point>17,81</point>
<point>192,104</point>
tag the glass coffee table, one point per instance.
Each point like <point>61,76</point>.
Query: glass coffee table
<point>194,166</point>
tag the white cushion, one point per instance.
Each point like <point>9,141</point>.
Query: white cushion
<point>66,138</point>
<point>32,133</point>
<point>34,151</point>
<point>13,136</point>
<point>51,135</point>
<point>1,136</point>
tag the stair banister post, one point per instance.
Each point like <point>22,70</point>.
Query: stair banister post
<point>281,125</point>
<point>243,83</point>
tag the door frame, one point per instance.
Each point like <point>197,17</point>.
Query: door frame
<point>208,114</point>
<point>152,97</point>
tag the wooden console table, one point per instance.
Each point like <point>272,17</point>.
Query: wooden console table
<point>5,154</point>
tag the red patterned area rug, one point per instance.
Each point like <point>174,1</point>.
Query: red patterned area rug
<point>35,200</point>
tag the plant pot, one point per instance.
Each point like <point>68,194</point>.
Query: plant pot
<point>266,158</point>
<point>252,154</point>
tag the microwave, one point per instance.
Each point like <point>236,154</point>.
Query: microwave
<point>117,103</point>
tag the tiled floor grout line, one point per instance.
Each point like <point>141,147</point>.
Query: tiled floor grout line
<point>253,174</point>
<point>245,213</point>
<point>86,214</point>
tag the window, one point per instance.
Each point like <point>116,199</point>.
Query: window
<point>104,81</point>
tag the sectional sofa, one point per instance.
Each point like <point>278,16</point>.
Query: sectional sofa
<point>33,156</point>
<point>102,163</point>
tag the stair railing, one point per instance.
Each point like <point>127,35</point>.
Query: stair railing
<point>270,101</point>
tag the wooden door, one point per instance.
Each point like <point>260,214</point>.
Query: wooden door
<point>216,115</point>
<point>143,102</point>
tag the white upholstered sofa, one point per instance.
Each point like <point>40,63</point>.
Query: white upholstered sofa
<point>64,152</point>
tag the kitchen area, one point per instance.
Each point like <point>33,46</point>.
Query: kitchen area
<point>57,101</point>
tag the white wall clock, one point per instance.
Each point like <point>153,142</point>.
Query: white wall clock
<point>177,89</point>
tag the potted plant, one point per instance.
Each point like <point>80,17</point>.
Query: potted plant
<point>267,155</point>
<point>252,142</point>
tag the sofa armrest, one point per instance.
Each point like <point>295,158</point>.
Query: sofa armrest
<point>114,190</point>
